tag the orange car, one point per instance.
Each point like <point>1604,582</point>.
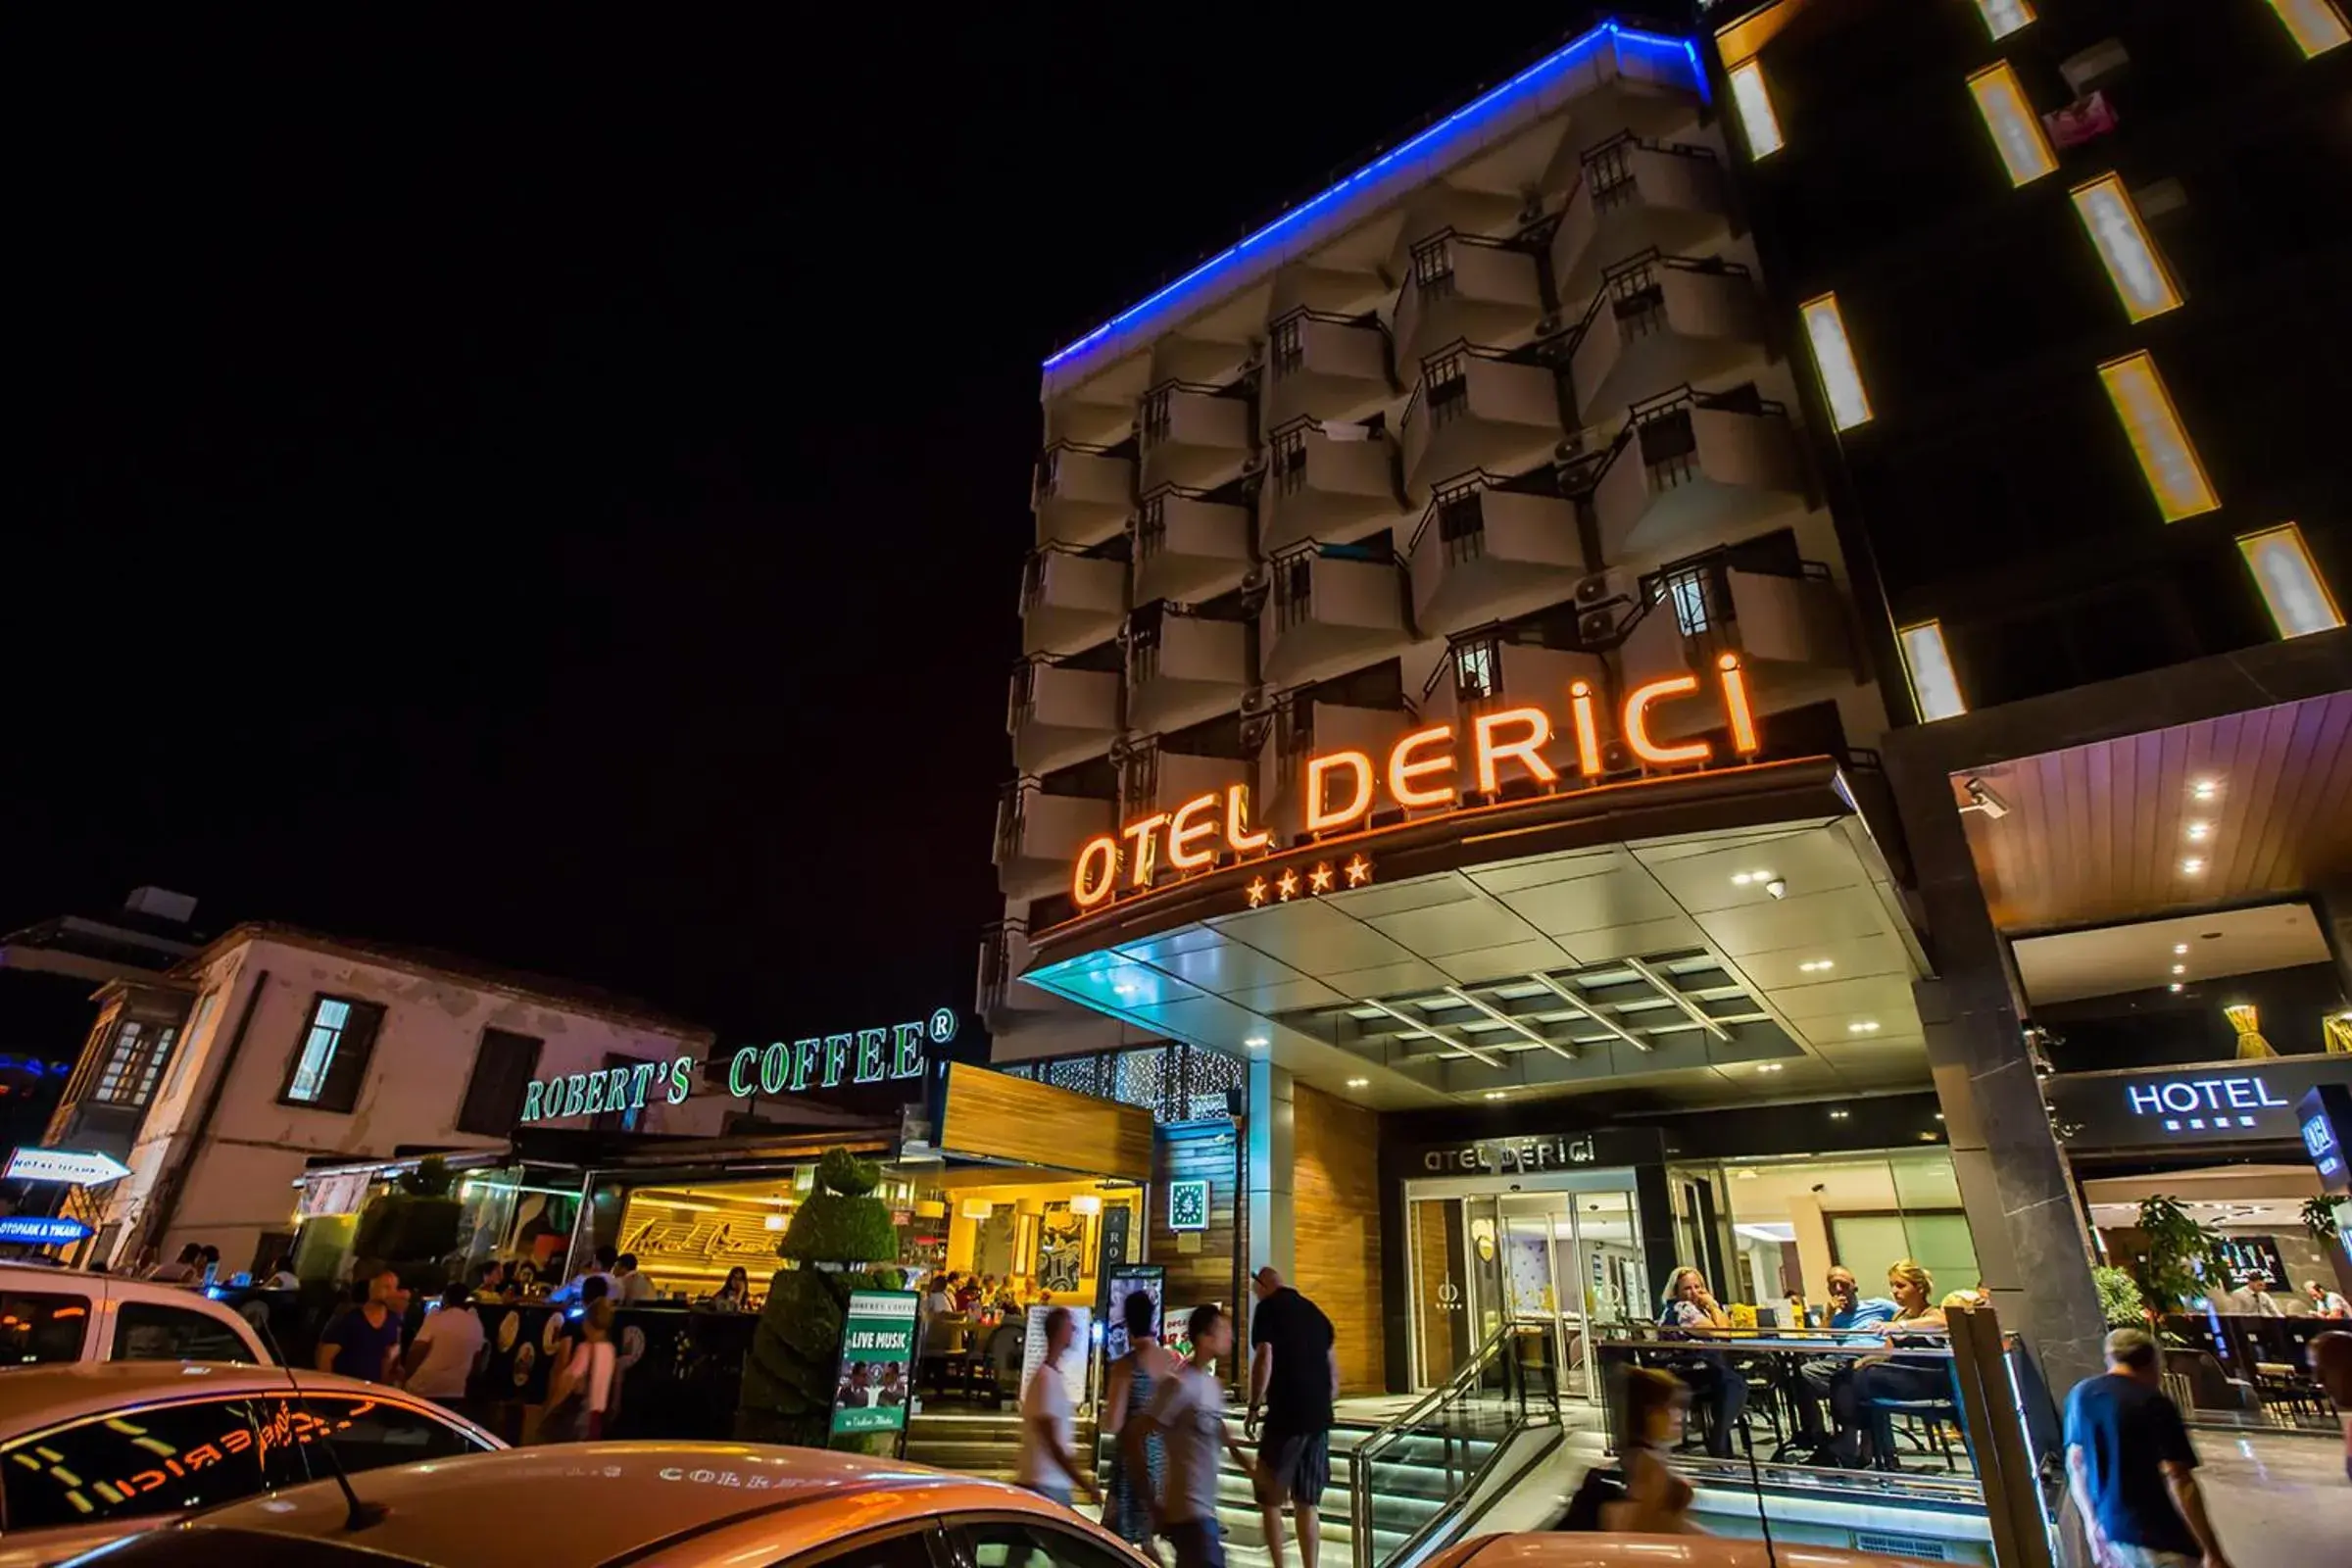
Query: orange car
<point>675,1504</point>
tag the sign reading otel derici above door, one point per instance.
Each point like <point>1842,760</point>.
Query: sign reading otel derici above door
<point>817,1061</point>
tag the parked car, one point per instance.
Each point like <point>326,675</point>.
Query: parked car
<point>52,1315</point>
<point>90,1454</point>
<point>1623,1550</point>
<point>674,1504</point>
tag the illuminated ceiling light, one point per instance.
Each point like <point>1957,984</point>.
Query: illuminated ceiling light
<point>2137,272</point>
<point>1934,687</point>
<point>1767,1067</point>
<point>2179,968</point>
<point>975,1208</point>
<point>1497,1094</point>
<point>2205,789</point>
<point>2015,129</point>
<point>2004,17</point>
<point>1816,965</point>
<point>1359,1083</point>
<point>2293,589</point>
<point>1840,1115</point>
<point>2180,948</point>
<point>2316,24</point>
<point>1086,1204</point>
<point>2174,987</point>
<point>2199,832</point>
<point>1744,1175</point>
<point>1833,357</point>
<point>1753,100</point>
<point>774,1222</point>
<point>2158,438</point>
<point>2192,866</point>
<point>1867,1026</point>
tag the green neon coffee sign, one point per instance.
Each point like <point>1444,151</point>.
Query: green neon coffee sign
<point>818,1061</point>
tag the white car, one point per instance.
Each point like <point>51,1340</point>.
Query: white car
<point>54,1315</point>
<point>89,1455</point>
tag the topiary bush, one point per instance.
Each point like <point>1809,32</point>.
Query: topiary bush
<point>413,1228</point>
<point>842,1240</point>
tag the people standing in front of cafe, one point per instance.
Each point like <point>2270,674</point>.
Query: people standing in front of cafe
<point>1294,1377</point>
<point>1048,1463</point>
<point>1188,1410</point>
<point>1126,1394</point>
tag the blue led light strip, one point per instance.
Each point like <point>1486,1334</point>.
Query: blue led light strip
<point>1512,89</point>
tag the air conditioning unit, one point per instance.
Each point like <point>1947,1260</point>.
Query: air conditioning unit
<point>1595,626</point>
<point>1596,588</point>
<point>1258,700</point>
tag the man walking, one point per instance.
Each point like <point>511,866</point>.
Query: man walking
<point>2132,1469</point>
<point>1187,1409</point>
<point>1293,1376</point>
<point>1048,1421</point>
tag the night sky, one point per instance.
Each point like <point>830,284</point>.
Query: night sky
<point>559,496</point>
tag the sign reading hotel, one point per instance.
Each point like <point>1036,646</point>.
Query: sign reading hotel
<point>817,1061</point>
<point>1422,772</point>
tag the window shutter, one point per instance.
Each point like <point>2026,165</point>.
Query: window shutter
<point>349,1069</point>
<point>503,1069</point>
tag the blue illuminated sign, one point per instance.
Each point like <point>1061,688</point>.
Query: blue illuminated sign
<point>1677,53</point>
<point>2325,1114</point>
<point>41,1229</point>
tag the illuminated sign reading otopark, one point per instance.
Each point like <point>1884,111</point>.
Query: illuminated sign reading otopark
<point>1424,771</point>
<point>818,1061</point>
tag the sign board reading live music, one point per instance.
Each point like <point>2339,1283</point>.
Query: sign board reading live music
<point>81,1168</point>
<point>877,1355</point>
<point>1428,770</point>
<point>2201,1102</point>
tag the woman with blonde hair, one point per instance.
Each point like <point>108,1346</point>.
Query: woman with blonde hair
<point>1917,1321</point>
<point>1691,1310</point>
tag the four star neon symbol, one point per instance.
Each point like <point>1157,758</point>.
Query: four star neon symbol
<point>1359,871</point>
<point>1289,886</point>
<point>1258,893</point>
<point>1320,879</point>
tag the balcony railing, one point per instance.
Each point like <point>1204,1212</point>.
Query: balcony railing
<point>1479,407</point>
<point>1326,366</point>
<point>1193,435</point>
<point>1686,466</point>
<point>1462,286</point>
<point>1081,493</point>
<point>1633,193</point>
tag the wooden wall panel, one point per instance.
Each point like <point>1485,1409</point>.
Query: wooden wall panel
<point>1334,1199</point>
<point>995,1116</point>
<point>1196,1150</point>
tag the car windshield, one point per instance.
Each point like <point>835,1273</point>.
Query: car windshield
<point>247,1548</point>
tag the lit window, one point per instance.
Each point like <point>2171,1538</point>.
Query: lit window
<point>1840,377</point>
<point>1474,669</point>
<point>1934,688</point>
<point>2133,264</point>
<point>2016,132</point>
<point>330,1065</point>
<point>319,1047</point>
<point>2158,440</point>
<point>1754,101</point>
<point>2292,588</point>
<point>1688,590</point>
<point>2004,17</point>
<point>2317,24</point>
<point>137,1057</point>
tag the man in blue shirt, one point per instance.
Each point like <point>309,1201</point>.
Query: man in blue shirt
<point>2132,1469</point>
<point>1828,1379</point>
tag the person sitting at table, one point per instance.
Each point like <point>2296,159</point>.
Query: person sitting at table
<point>967,1294</point>
<point>1691,1309</point>
<point>1918,1321</point>
<point>943,1335</point>
<point>1825,1379</point>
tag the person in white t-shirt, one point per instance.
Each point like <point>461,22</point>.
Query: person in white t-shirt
<point>1049,1423</point>
<point>441,1359</point>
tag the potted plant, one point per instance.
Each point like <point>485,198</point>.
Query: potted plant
<point>2120,1302</point>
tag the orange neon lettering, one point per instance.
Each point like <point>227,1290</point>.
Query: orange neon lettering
<point>1320,817</point>
<point>1182,830</point>
<point>1090,888</point>
<point>1237,822</point>
<point>1637,722</point>
<point>1403,767</point>
<point>1145,846</point>
<point>1527,749</point>
<point>1587,729</point>
<point>1736,705</point>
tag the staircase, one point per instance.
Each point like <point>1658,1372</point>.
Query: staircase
<point>1408,1487</point>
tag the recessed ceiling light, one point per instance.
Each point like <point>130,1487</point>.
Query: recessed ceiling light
<point>1744,1175</point>
<point>1867,1026</point>
<point>1359,1083</point>
<point>2174,986</point>
<point>2180,948</point>
<point>1939,1116</point>
<point>2179,968</point>
<point>1497,1094</point>
<point>2199,832</point>
<point>1254,1042</point>
<point>1838,1115</point>
<point>2205,789</point>
<point>1767,1067</point>
<point>1817,966</point>
<point>2192,866</point>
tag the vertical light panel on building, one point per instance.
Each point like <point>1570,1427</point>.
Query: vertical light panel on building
<point>2158,439</point>
<point>2316,26</point>
<point>2141,280</point>
<point>2004,17</point>
<point>1753,100</point>
<point>1934,688</point>
<point>2293,589</point>
<point>2015,129</point>
<point>1834,356</point>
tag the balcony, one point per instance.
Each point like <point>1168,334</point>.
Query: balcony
<point>1039,836</point>
<point>1332,607</point>
<point>1486,551</point>
<point>1663,322</point>
<point>1691,467</point>
<point>1487,672</point>
<point>1060,713</point>
<point>1082,494</point>
<point>1477,409</point>
<point>1182,669</point>
<point>1192,435</point>
<point>1343,291</point>
<point>1334,482</point>
<point>1323,366</point>
<point>1303,728</point>
<point>1788,628</point>
<point>1189,548</point>
<point>1070,600</point>
<point>1154,779</point>
<point>1459,286</point>
<point>1631,196</point>
<point>1002,999</point>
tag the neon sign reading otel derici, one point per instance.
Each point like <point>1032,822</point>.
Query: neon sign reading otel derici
<point>1423,773</point>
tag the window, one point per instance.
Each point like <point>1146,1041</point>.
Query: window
<point>2016,132</point>
<point>1934,688</point>
<point>36,1326</point>
<point>1691,609</point>
<point>2291,587</point>
<point>1433,265</point>
<point>2004,17</point>
<point>2133,264</point>
<point>1474,670</point>
<point>331,1060</point>
<point>370,1434</point>
<point>128,1465</point>
<point>2173,475</point>
<point>908,1548</point>
<point>624,1116</point>
<point>1290,463</point>
<point>150,1331</point>
<point>1155,416</point>
<point>1753,100</point>
<point>1833,357</point>
<point>1287,350</point>
<point>133,1062</point>
<point>2316,26</point>
<point>1025,1544</point>
<point>502,1069</point>
<point>1446,387</point>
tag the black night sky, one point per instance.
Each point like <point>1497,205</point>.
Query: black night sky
<point>556,495</point>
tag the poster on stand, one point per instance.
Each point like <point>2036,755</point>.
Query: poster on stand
<point>1074,1362</point>
<point>1121,1282</point>
<point>877,1353</point>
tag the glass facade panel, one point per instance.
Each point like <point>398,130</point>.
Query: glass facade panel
<point>1793,1219</point>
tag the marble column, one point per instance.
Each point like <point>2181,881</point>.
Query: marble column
<point>1273,1240</point>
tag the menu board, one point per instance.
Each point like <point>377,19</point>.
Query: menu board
<point>1074,1361</point>
<point>1125,1280</point>
<point>877,1348</point>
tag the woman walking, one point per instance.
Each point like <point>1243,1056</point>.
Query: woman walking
<point>1127,1508</point>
